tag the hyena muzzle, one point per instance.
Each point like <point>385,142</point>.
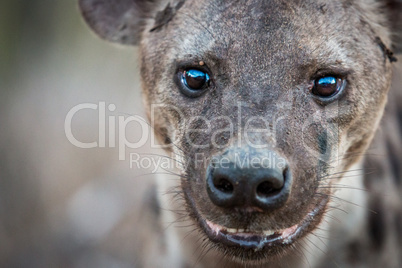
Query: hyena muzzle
<point>269,106</point>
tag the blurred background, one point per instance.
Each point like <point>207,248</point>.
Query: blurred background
<point>60,205</point>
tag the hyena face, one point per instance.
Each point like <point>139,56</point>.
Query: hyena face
<point>265,104</point>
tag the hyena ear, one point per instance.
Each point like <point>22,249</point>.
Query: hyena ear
<point>395,17</point>
<point>119,21</point>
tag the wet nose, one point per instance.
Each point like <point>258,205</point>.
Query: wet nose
<point>240,183</point>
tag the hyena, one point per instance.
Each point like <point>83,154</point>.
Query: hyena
<point>269,106</point>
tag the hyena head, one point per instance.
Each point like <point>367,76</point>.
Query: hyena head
<point>264,103</point>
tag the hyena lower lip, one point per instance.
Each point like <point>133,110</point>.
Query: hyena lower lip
<point>247,240</point>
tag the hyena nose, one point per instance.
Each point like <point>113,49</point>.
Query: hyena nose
<point>245,185</point>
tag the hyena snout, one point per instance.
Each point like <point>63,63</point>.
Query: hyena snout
<point>249,179</point>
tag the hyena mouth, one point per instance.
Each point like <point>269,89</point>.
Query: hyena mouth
<point>264,240</point>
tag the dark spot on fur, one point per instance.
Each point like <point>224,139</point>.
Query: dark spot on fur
<point>165,16</point>
<point>123,27</point>
<point>388,53</point>
<point>180,4</point>
<point>165,136</point>
<point>323,8</point>
<point>323,167</point>
<point>347,4</point>
<point>376,224</point>
<point>322,141</point>
<point>394,158</point>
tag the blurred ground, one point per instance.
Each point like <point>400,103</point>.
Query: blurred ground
<point>61,205</point>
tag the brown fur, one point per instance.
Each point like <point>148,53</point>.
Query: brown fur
<point>263,54</point>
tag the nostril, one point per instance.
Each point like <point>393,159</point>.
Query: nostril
<point>223,185</point>
<point>221,188</point>
<point>271,185</point>
<point>266,189</point>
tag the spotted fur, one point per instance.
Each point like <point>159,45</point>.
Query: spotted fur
<point>261,55</point>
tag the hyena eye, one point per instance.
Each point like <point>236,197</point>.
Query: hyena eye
<point>194,82</point>
<point>328,87</point>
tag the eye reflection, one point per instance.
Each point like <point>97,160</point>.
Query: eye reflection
<point>328,86</point>
<point>195,79</point>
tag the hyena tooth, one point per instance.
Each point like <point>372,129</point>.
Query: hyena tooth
<point>269,232</point>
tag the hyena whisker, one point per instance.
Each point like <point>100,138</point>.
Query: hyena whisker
<point>185,226</point>
<point>329,166</point>
<point>341,173</point>
<point>332,217</point>
<point>201,240</point>
<point>303,252</point>
<point>173,190</point>
<point>329,180</point>
<point>311,248</point>
<point>169,224</point>
<point>318,228</point>
<point>182,217</point>
<point>331,177</point>
<point>171,173</point>
<point>321,239</point>
<point>343,187</point>
<point>297,251</point>
<point>332,208</point>
<point>219,263</point>
<point>208,249</point>
<point>346,201</point>
<point>204,246</point>
<point>177,197</point>
<point>222,257</point>
<point>292,249</point>
<point>189,233</point>
<point>347,156</point>
<point>314,245</point>
<point>180,212</point>
<point>175,174</point>
<point>199,251</point>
